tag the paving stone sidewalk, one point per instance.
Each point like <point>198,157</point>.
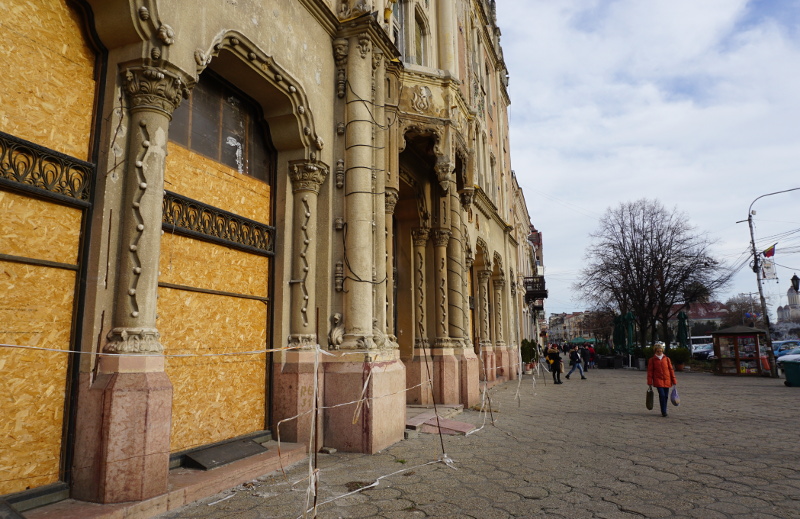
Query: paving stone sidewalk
<point>583,449</point>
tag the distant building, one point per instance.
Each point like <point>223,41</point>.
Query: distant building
<point>790,312</point>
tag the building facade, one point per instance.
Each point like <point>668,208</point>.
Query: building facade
<point>217,216</point>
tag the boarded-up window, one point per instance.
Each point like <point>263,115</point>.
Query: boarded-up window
<point>220,122</point>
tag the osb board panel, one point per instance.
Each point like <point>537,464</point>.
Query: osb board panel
<point>214,398</point>
<point>37,229</point>
<point>47,92</point>
<point>35,310</point>
<point>205,180</point>
<point>197,263</point>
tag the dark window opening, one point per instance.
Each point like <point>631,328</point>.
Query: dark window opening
<point>223,124</point>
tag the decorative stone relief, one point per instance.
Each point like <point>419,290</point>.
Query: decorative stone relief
<point>364,44</point>
<point>336,333</point>
<point>341,48</point>
<point>166,34</point>
<point>302,341</point>
<point>340,173</point>
<point>421,98</point>
<point>338,276</point>
<point>155,88</point>
<point>444,170</point>
<point>307,176</point>
<point>467,195</point>
<point>133,340</point>
<point>378,337</point>
<point>359,7</point>
<point>392,196</point>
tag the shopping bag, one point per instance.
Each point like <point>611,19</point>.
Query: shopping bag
<point>561,367</point>
<point>673,396</point>
<point>648,401</point>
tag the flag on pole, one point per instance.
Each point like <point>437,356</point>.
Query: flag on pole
<point>768,253</point>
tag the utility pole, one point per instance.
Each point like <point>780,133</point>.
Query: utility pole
<point>757,269</point>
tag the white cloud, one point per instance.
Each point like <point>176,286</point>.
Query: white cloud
<point>693,103</point>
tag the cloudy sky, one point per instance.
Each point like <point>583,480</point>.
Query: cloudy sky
<point>693,102</point>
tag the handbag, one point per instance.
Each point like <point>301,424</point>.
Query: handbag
<point>648,401</point>
<point>673,396</point>
<point>561,367</point>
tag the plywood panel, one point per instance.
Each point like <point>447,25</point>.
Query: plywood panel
<point>47,92</point>
<point>37,229</point>
<point>200,178</point>
<point>191,262</point>
<point>35,310</point>
<point>221,397</point>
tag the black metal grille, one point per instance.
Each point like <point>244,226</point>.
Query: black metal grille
<point>534,288</point>
<point>190,217</point>
<point>34,168</point>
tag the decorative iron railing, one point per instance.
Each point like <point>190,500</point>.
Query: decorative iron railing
<point>36,169</point>
<point>534,288</point>
<point>183,215</point>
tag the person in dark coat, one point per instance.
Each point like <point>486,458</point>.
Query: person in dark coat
<point>554,361</point>
<point>575,362</point>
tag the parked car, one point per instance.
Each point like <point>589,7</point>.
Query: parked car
<point>702,351</point>
<point>788,355</point>
<point>781,347</point>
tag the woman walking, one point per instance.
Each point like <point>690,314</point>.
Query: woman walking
<point>554,360</point>
<point>661,374</point>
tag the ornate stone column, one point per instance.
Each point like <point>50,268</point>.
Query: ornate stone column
<point>441,238</point>
<point>486,348</point>
<point>379,238</point>
<point>377,374</point>
<point>501,350</point>
<point>123,440</point>
<point>359,200</point>
<point>420,390</point>
<point>306,177</point>
<point>392,196</point>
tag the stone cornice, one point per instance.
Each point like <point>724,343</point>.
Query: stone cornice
<point>489,210</point>
<point>366,24</point>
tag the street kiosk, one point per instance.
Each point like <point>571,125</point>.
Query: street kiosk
<point>740,350</point>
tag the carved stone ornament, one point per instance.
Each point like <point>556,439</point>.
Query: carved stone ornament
<point>392,196</point>
<point>467,195</point>
<point>359,7</point>
<point>340,173</point>
<point>441,237</point>
<point>444,170</point>
<point>166,34</point>
<point>133,340</point>
<point>336,334</point>
<point>341,47</point>
<point>302,341</point>
<point>306,176</point>
<point>377,59</point>
<point>364,44</point>
<point>150,87</point>
<point>420,236</point>
<point>421,98</point>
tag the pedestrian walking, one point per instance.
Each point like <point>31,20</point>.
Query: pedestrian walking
<point>575,362</point>
<point>592,361</point>
<point>556,365</point>
<point>661,374</point>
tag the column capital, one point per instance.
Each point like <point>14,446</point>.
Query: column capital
<point>499,283</point>
<point>441,237</point>
<point>307,176</point>
<point>420,236</point>
<point>484,275</point>
<point>155,89</point>
<point>133,340</point>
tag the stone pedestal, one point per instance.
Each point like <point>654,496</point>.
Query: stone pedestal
<point>294,397</point>
<point>446,375</point>
<point>417,369</point>
<point>122,442</point>
<point>470,376</point>
<point>380,422</point>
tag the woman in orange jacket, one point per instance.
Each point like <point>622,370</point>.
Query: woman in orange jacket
<point>661,374</point>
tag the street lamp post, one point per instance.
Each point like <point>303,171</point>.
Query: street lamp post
<point>757,269</point>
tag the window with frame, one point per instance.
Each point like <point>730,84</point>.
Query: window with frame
<point>420,43</point>
<point>223,124</point>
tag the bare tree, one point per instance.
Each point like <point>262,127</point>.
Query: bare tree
<point>647,260</point>
<point>744,310</point>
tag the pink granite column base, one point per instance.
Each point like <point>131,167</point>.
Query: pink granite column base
<point>377,425</point>
<point>470,380</point>
<point>501,358</point>
<point>293,398</point>
<point>446,377</point>
<point>122,437</point>
<point>513,363</point>
<point>417,380</point>
<point>488,371</point>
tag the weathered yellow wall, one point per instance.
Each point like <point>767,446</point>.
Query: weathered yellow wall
<point>191,174</point>
<point>36,229</point>
<point>35,310</point>
<point>214,398</point>
<point>47,91</point>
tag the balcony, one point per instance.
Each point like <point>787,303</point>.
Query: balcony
<point>534,289</point>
